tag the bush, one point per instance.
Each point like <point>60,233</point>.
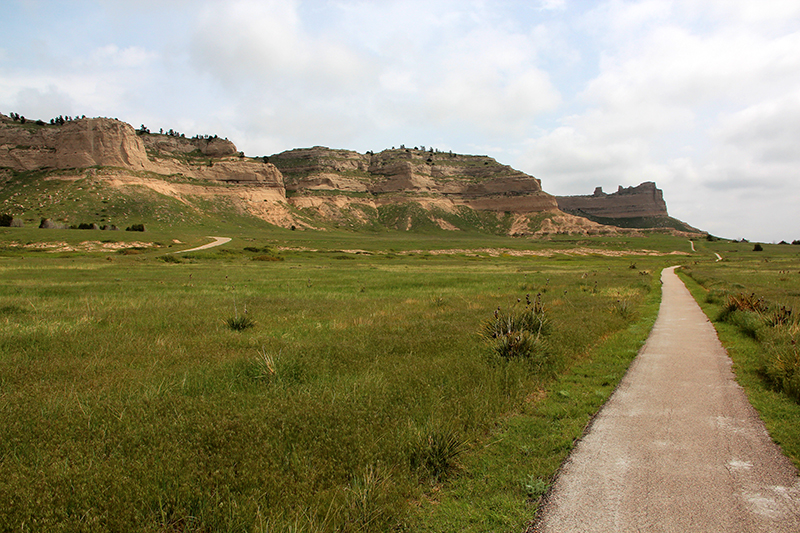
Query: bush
<point>135,227</point>
<point>758,248</point>
<point>6,220</point>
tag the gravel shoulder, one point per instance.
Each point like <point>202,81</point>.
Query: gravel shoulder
<point>677,447</point>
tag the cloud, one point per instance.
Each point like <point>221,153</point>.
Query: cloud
<point>111,56</point>
<point>263,45</point>
<point>767,131</point>
<point>48,103</point>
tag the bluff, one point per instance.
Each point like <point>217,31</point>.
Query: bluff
<point>478,182</point>
<point>104,142</point>
<point>642,201</point>
<point>315,187</point>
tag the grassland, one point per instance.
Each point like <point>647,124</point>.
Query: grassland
<point>363,397</point>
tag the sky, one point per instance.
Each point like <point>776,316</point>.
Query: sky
<point>700,96</point>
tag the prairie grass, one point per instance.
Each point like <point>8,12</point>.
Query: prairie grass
<point>363,386</point>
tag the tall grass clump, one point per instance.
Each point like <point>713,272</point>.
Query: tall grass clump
<point>521,332</point>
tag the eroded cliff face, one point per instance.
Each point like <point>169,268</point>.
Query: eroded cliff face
<point>400,188</point>
<point>104,142</point>
<point>644,200</point>
<point>77,144</point>
<point>479,182</point>
<point>207,146</point>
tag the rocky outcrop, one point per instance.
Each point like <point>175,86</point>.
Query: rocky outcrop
<point>104,142</point>
<point>479,182</point>
<point>206,146</point>
<point>76,144</point>
<point>642,201</point>
<point>400,188</point>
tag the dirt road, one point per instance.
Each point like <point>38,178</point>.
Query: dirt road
<point>217,242</point>
<point>677,447</point>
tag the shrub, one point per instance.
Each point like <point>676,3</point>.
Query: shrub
<point>135,227</point>
<point>6,220</point>
<point>758,248</point>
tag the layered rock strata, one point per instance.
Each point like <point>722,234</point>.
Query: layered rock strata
<point>479,182</point>
<point>90,142</point>
<point>644,200</point>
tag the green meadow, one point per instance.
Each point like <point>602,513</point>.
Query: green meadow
<point>320,381</point>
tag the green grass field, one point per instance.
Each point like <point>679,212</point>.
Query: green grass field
<point>362,397</point>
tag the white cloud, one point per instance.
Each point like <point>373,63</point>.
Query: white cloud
<point>131,57</point>
<point>48,103</point>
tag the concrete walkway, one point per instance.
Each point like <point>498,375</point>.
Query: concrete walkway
<point>677,447</point>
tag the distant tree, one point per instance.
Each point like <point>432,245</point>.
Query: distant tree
<point>758,248</point>
<point>6,220</point>
<point>795,241</point>
<point>22,120</point>
<point>40,122</point>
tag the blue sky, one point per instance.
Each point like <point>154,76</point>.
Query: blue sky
<point>700,96</point>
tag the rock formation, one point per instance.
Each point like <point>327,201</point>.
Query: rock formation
<point>479,182</point>
<point>642,201</point>
<point>90,142</point>
<point>77,144</point>
<point>315,187</point>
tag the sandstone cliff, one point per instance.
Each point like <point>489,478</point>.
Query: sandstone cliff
<point>479,182</point>
<point>312,187</point>
<point>77,144</point>
<point>642,201</point>
<point>103,142</point>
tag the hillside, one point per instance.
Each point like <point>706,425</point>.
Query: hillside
<point>406,189</point>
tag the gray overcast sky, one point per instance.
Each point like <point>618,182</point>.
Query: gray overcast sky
<point>700,96</point>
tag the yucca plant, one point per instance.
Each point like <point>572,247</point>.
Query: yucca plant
<point>519,332</point>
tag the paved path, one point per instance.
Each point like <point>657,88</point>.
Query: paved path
<point>677,447</point>
<point>217,241</point>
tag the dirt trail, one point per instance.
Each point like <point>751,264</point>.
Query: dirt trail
<point>217,242</point>
<point>677,447</point>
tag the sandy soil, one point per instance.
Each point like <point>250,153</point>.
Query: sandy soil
<point>677,447</point>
